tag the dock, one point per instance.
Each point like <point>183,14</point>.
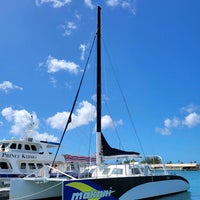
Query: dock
<point>179,166</point>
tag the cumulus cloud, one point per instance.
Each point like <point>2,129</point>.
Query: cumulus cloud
<point>84,114</point>
<point>168,125</point>
<point>24,123</point>
<point>190,120</point>
<point>89,4</point>
<point>107,122</point>
<point>55,3</point>
<point>6,86</point>
<point>54,65</point>
<point>125,4</point>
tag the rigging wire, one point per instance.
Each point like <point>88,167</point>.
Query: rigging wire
<point>124,99</point>
<point>114,126</point>
<point>92,92</point>
<point>74,103</point>
<point>107,105</point>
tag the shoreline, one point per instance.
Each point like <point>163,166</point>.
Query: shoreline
<point>179,166</point>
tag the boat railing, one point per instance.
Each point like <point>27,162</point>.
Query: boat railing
<point>162,167</point>
<point>49,172</point>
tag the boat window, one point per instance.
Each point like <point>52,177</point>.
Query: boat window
<point>31,166</point>
<point>106,171</point>
<point>3,146</point>
<point>13,146</point>
<point>27,147</point>
<point>39,165</point>
<point>135,170</point>
<point>23,166</point>
<point>4,165</point>
<point>41,150</point>
<point>10,166</point>
<point>19,146</point>
<point>117,171</point>
<point>33,148</point>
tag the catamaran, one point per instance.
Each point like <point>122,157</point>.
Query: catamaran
<point>124,181</point>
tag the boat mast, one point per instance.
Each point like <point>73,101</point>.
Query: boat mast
<point>98,128</point>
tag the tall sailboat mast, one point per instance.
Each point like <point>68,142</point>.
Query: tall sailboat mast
<point>98,127</point>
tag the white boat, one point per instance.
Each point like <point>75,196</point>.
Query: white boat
<point>22,157</point>
<point>123,181</point>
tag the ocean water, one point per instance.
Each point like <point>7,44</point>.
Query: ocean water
<point>193,193</point>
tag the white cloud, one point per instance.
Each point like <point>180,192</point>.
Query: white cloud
<point>112,3</point>
<point>125,4</point>
<point>191,120</point>
<point>55,3</point>
<point>71,25</point>
<point>104,98</point>
<point>59,120</point>
<point>94,98</point>
<point>53,81</point>
<point>77,16</point>
<point>163,131</point>
<point>85,113</point>
<point>24,123</point>
<point>45,137</point>
<point>82,48</point>
<point>171,123</point>
<point>7,86</point>
<point>21,119</point>
<point>190,108</point>
<point>89,4</point>
<point>68,27</point>
<point>168,125</point>
<point>54,65</point>
<point>107,122</point>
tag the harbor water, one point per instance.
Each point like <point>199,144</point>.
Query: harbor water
<point>193,193</point>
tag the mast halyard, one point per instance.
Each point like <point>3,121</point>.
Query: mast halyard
<point>98,128</point>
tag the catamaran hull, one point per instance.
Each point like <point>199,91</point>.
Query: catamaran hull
<point>154,189</point>
<point>22,189</point>
<point>142,187</point>
<point>121,188</point>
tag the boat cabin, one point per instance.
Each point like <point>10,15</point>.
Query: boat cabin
<point>24,156</point>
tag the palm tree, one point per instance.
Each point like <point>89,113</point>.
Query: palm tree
<point>152,160</point>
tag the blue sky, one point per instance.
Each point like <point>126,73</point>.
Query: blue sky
<point>153,47</point>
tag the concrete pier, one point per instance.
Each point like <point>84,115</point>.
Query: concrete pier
<point>179,166</point>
